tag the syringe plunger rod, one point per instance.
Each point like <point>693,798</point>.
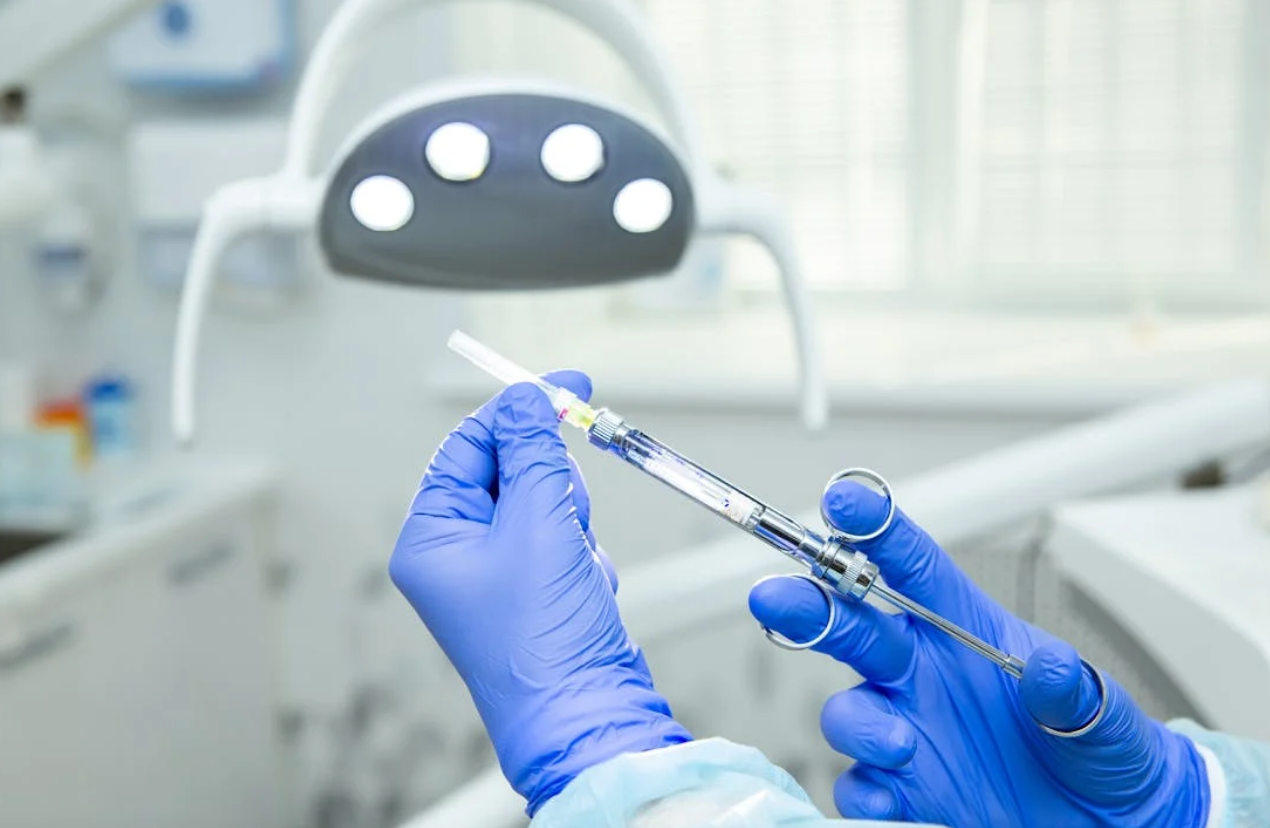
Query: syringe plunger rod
<point>1008,663</point>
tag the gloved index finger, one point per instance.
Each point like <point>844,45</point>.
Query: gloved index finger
<point>461,480</point>
<point>581,497</point>
<point>909,559</point>
<point>877,645</point>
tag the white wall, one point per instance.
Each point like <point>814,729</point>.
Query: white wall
<point>334,389</point>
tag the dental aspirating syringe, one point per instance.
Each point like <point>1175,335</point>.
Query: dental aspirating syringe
<point>831,560</point>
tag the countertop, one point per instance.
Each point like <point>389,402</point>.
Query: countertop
<point>150,502</point>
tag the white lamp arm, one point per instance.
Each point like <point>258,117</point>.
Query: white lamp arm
<point>724,208</point>
<point>616,22</point>
<point>254,204</point>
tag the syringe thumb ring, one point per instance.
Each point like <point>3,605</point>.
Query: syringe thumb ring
<point>874,479</point>
<point>1103,701</point>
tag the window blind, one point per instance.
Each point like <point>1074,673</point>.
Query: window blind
<point>1110,140</point>
<point>807,101</point>
<point>1098,143</point>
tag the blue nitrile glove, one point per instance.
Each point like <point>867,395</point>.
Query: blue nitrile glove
<point>498,559</point>
<point>942,735</point>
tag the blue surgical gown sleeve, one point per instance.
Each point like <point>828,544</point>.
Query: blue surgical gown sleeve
<point>709,783</point>
<point>1241,783</point>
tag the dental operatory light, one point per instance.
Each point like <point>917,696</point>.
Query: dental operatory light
<point>573,153</point>
<point>643,206</point>
<point>458,151</point>
<point>382,203</point>
<point>525,186</point>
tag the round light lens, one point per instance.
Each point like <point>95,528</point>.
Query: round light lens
<point>573,153</point>
<point>458,151</point>
<point>643,205</point>
<point>382,203</point>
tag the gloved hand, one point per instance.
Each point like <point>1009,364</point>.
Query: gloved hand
<point>941,735</point>
<point>498,559</point>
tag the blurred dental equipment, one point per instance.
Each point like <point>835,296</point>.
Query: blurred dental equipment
<point>27,188</point>
<point>833,561</point>
<point>515,185</point>
<point>212,47</point>
<point>34,35</point>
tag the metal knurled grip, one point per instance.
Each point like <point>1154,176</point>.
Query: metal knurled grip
<point>853,576</point>
<point>606,429</point>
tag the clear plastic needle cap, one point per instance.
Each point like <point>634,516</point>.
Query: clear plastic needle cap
<point>568,407</point>
<point>492,362</point>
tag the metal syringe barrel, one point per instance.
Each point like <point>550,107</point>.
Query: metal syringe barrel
<point>846,570</point>
<point>830,559</point>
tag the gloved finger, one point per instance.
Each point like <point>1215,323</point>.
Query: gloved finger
<point>877,645</point>
<point>1056,688</point>
<point>606,563</point>
<point>535,478</point>
<point>581,498</point>
<point>1116,750</point>
<point>864,793</point>
<point>582,502</point>
<point>461,478</point>
<point>575,381</point>
<point>908,558</point>
<point>861,723</point>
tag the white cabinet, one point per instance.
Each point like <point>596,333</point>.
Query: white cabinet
<point>135,678</point>
<point>1185,573</point>
<point>72,711</point>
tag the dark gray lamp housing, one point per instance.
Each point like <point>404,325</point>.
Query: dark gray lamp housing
<point>487,208</point>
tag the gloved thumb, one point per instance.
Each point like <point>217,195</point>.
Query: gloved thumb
<point>1057,689</point>
<point>534,474</point>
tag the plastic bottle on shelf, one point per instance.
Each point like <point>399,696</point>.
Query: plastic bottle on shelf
<point>111,408</point>
<point>63,455</point>
<point>68,416</point>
